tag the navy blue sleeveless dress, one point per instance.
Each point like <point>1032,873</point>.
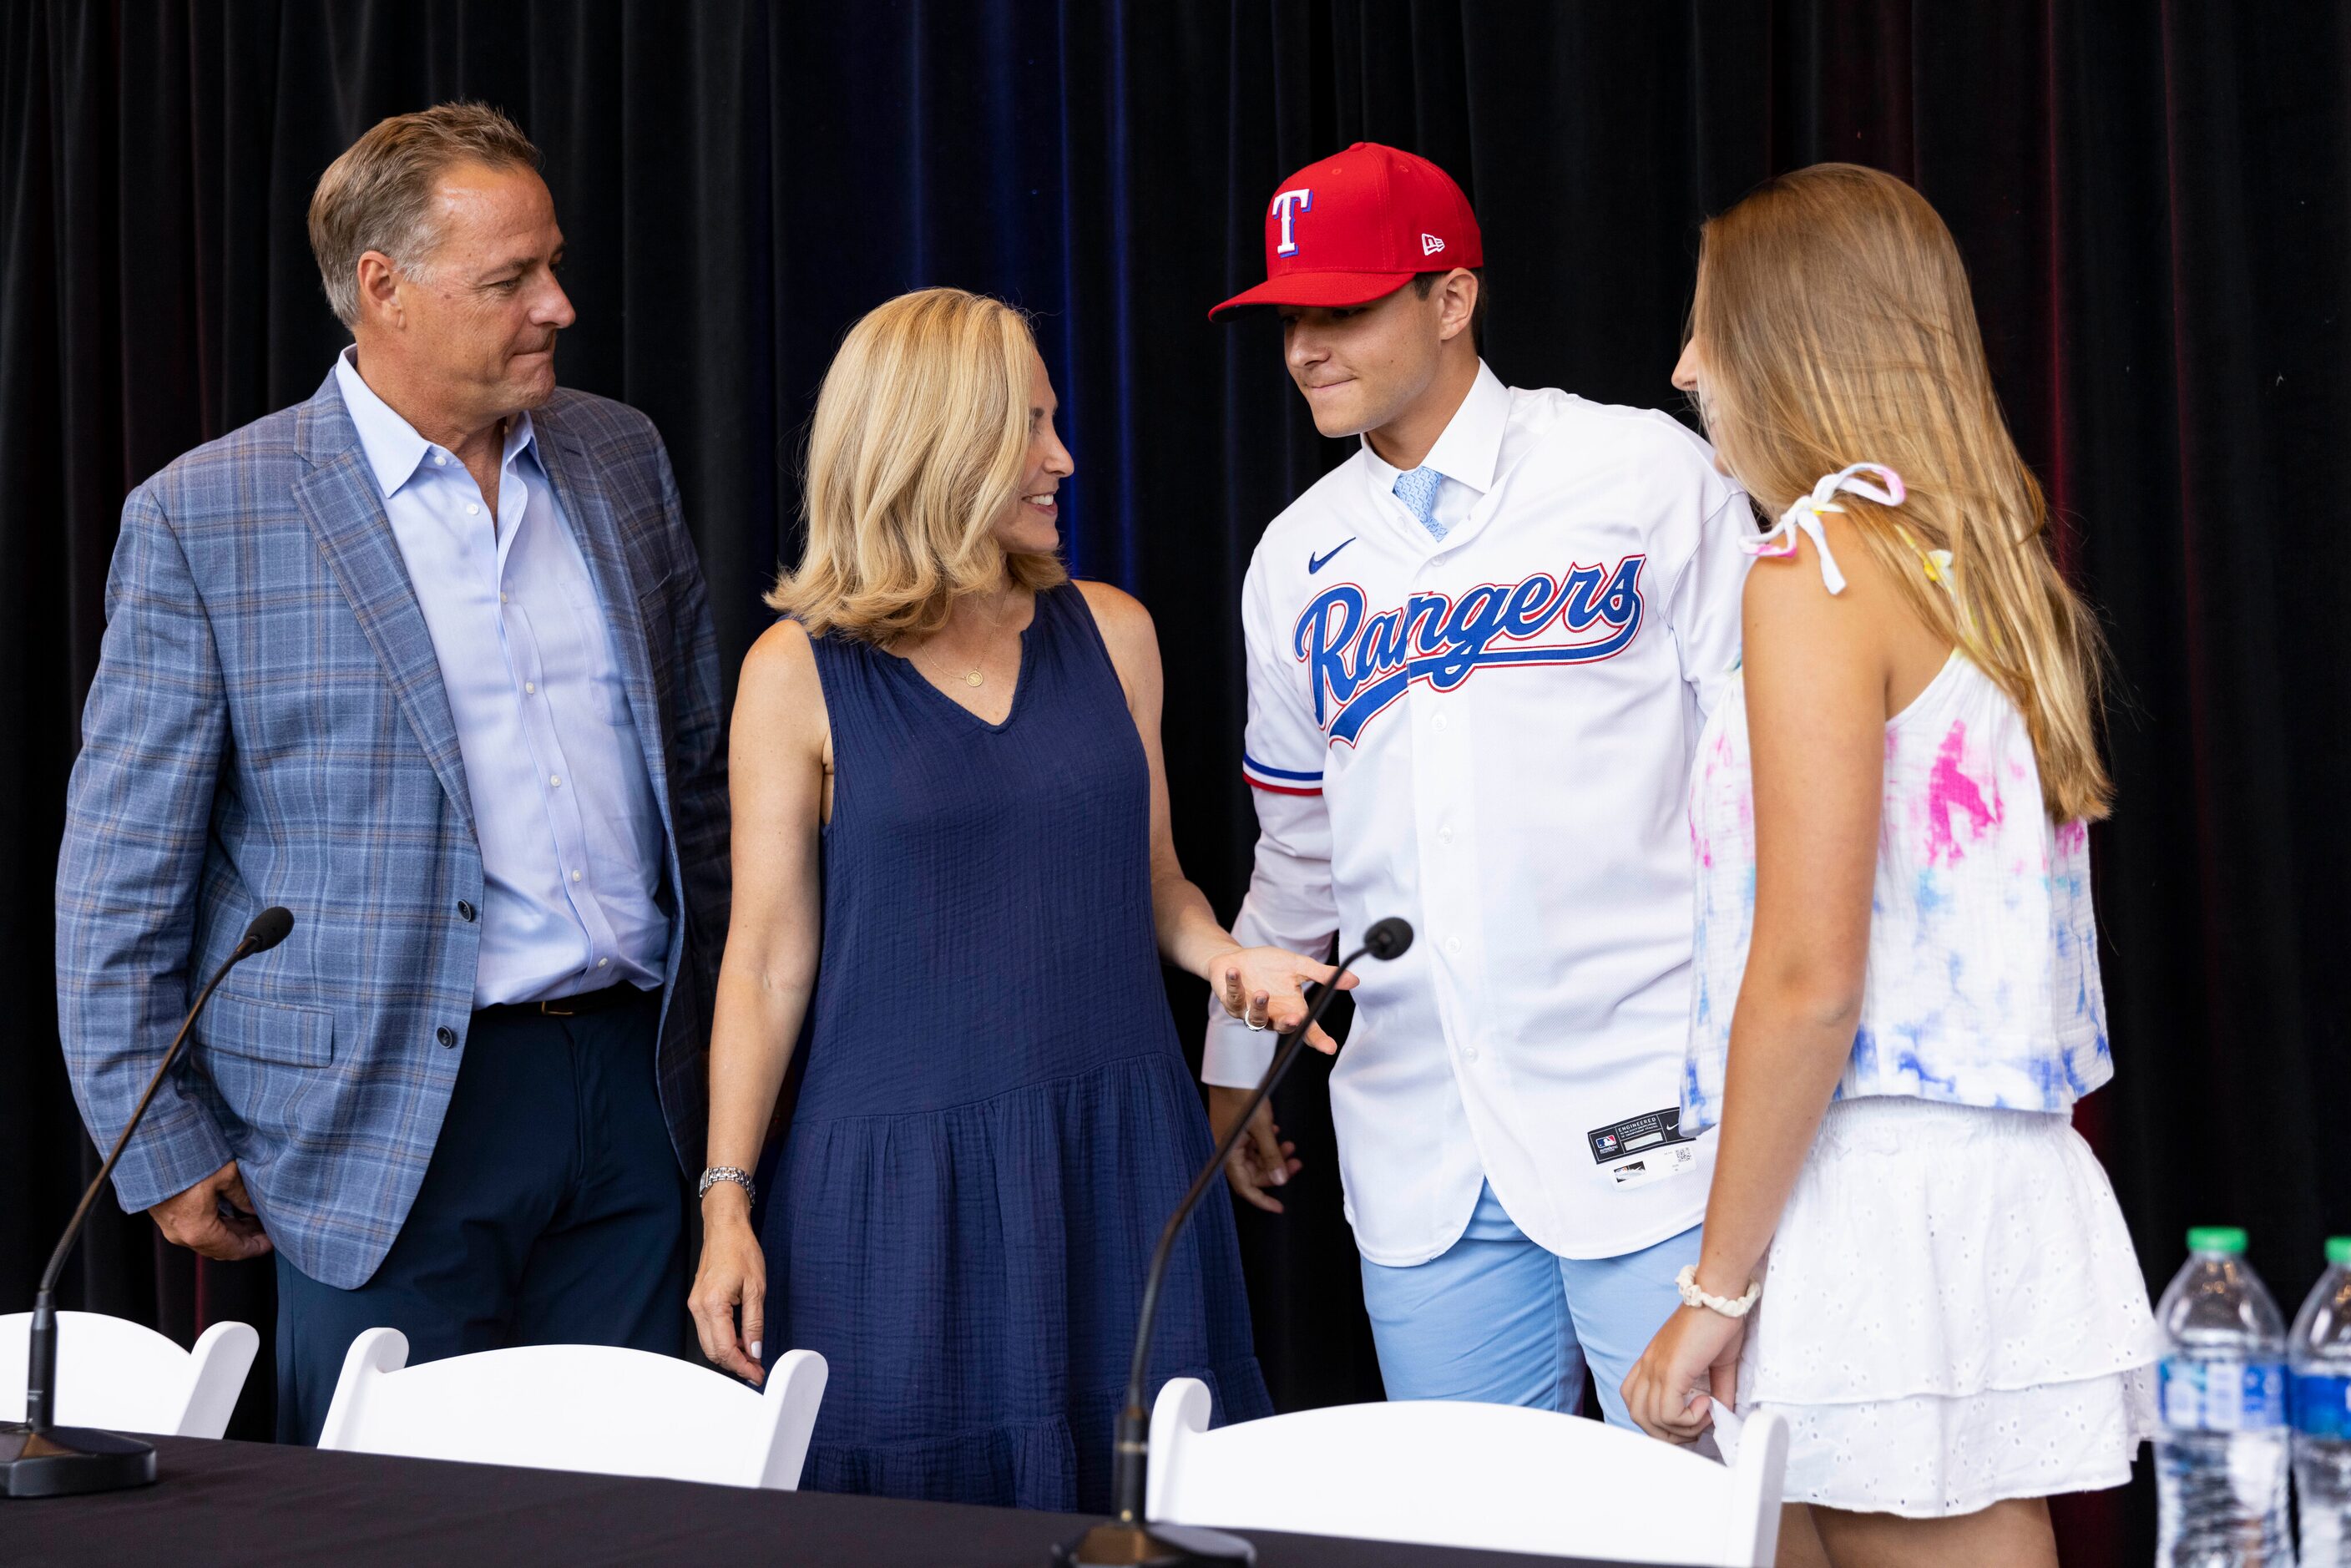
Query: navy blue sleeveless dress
<point>995,1117</point>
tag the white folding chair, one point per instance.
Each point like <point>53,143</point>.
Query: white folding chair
<point>126,1377</point>
<point>1495,1477</point>
<point>578,1407</point>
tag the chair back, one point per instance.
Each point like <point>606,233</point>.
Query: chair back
<point>1495,1477</point>
<point>578,1407</point>
<point>125,1377</point>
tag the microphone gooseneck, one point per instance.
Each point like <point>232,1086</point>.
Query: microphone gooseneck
<point>38,1458</point>
<point>269,928</point>
<point>1133,1543</point>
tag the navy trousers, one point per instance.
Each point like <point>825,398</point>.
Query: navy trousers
<point>553,1212</point>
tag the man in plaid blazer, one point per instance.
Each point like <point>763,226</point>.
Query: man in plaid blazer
<point>428,660</point>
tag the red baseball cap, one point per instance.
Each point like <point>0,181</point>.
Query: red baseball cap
<point>1358,226</point>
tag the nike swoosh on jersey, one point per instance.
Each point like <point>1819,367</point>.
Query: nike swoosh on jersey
<point>1315,563</point>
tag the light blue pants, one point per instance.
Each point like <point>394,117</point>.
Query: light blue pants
<point>1498,1320</point>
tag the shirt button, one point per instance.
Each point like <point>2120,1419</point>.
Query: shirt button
<point>472,510</point>
<point>1437,723</point>
<point>1469,1053</point>
<point>1444,835</point>
<point>446,1035</point>
<point>464,910</point>
<point>502,598</point>
<point>575,876</point>
<point>602,962</point>
<point>440,460</point>
<point>530,688</point>
<point>1453,943</point>
<point>554,780</point>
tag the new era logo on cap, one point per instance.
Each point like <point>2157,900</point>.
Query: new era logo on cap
<point>1358,226</point>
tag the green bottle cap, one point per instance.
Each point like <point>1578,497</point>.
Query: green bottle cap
<point>2339,1251</point>
<point>2226,1239</point>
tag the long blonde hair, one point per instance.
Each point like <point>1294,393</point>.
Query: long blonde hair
<point>1836,325</point>
<point>919,445</point>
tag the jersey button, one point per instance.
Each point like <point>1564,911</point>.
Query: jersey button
<point>1438,722</point>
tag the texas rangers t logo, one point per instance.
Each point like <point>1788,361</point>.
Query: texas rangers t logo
<point>1359,663</point>
<point>1287,206</point>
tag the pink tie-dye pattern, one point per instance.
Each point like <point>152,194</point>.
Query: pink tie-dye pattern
<point>2028,989</point>
<point>1720,756</point>
<point>1948,788</point>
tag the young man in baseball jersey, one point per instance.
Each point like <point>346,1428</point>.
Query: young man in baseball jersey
<point>1480,652</point>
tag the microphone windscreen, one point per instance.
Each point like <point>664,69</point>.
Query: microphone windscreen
<point>1388,938</point>
<point>270,928</point>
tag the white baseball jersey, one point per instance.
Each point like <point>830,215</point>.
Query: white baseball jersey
<point>1490,735</point>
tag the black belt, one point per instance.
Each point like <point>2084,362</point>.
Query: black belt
<point>621,995</point>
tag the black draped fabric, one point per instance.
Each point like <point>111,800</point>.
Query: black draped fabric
<point>2153,200</point>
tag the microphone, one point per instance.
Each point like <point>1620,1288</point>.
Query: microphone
<point>1129,1541</point>
<point>37,1457</point>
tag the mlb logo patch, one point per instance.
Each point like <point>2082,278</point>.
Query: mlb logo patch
<point>1430,245</point>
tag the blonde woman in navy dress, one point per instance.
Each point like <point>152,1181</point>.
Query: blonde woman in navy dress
<point>1896,1000</point>
<point>953,883</point>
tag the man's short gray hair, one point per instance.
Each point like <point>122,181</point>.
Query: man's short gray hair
<point>377,194</point>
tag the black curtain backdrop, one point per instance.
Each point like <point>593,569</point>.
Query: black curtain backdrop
<point>2153,200</point>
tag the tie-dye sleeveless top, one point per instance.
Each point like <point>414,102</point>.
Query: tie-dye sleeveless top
<point>1982,985</point>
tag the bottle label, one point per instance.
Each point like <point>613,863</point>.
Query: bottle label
<point>2220,1395</point>
<point>2322,1405</point>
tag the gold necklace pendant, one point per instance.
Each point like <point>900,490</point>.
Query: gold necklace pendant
<point>978,674</point>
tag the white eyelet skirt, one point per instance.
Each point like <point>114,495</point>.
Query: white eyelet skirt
<point>1952,1314</point>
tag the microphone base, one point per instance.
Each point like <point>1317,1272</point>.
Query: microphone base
<point>1151,1546</point>
<point>68,1461</point>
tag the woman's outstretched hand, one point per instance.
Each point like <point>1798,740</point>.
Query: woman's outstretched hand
<point>1266,986</point>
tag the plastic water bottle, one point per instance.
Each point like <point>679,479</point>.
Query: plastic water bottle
<point>2320,1350</point>
<point>2221,1451</point>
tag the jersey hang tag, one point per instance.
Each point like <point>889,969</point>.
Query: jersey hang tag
<point>1645,1148</point>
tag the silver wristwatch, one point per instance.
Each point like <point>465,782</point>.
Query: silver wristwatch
<point>735,1174</point>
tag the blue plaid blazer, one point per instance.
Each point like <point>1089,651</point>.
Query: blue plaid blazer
<point>268,726</point>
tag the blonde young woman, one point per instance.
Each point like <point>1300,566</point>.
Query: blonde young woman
<point>954,882</point>
<point>1896,1000</point>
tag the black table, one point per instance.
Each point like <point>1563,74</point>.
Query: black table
<point>255,1504</point>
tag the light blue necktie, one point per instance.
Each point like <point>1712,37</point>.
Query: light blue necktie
<point>1417,491</point>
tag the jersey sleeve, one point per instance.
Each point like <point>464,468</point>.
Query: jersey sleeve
<point>1703,607</point>
<point>1290,903</point>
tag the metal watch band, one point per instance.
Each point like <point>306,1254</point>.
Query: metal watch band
<point>735,1174</point>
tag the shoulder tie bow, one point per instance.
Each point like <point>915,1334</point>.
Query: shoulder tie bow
<point>1804,514</point>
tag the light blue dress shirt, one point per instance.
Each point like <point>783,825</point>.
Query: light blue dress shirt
<point>570,837</point>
